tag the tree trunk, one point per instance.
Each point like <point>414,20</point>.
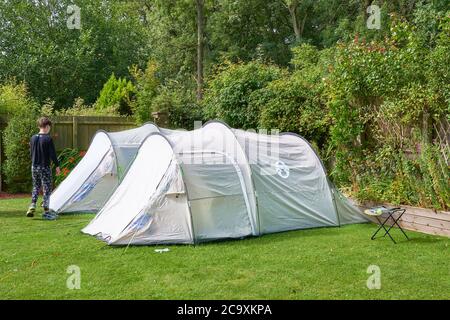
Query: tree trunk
<point>293,6</point>
<point>200,47</point>
<point>303,24</point>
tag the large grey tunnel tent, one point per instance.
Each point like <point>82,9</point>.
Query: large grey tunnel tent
<point>92,181</point>
<point>216,183</point>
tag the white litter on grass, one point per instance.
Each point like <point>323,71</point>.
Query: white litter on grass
<point>162,250</point>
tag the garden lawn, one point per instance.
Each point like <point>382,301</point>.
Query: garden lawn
<point>326,263</point>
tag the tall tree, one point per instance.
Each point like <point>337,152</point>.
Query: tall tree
<point>56,62</point>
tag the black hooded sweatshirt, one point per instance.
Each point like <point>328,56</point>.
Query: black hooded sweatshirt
<point>43,150</point>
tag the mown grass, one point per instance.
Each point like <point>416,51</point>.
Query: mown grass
<point>328,263</point>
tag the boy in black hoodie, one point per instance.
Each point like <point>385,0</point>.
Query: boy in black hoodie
<point>43,153</point>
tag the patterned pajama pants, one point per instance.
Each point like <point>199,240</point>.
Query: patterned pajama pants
<point>42,178</point>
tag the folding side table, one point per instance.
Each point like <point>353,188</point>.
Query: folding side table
<point>377,212</point>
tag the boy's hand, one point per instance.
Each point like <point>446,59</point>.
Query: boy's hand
<point>58,171</point>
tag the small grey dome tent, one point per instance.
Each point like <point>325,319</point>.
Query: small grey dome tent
<point>216,183</point>
<point>92,181</point>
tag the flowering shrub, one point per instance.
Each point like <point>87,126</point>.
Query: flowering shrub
<point>68,159</point>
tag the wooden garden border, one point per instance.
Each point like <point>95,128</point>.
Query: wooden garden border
<point>423,220</point>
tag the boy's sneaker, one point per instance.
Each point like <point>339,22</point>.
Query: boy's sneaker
<point>31,211</point>
<point>49,215</point>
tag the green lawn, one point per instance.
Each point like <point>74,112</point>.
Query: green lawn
<point>328,263</point>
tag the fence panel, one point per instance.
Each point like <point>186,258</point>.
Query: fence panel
<point>75,131</point>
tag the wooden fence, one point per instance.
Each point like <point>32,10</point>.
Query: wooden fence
<point>74,131</point>
<point>77,132</point>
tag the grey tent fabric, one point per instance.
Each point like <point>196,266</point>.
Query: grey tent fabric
<point>217,183</point>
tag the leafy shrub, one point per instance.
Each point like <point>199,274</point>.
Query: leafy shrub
<point>79,108</point>
<point>384,97</point>
<point>296,102</point>
<point>22,112</point>
<point>118,93</point>
<point>228,92</point>
<point>391,176</point>
<point>68,159</point>
<point>288,105</point>
<point>14,98</point>
<point>179,105</point>
<point>176,103</point>
<point>146,84</point>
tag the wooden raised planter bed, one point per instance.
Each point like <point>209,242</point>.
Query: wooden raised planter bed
<point>421,220</point>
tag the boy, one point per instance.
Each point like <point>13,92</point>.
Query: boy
<point>42,153</point>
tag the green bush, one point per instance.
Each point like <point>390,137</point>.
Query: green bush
<point>228,93</point>
<point>389,175</point>
<point>22,112</point>
<point>13,98</point>
<point>288,105</point>
<point>146,84</point>
<point>176,103</point>
<point>79,108</point>
<point>179,105</point>
<point>296,102</point>
<point>117,93</point>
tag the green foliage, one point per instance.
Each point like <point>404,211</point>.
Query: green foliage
<point>296,102</point>
<point>229,92</point>
<point>395,177</point>
<point>61,63</point>
<point>179,105</point>
<point>79,108</point>
<point>68,159</point>
<point>288,105</point>
<point>22,114</point>
<point>175,103</point>
<point>384,99</point>
<point>304,56</point>
<point>14,98</point>
<point>117,93</point>
<point>146,84</point>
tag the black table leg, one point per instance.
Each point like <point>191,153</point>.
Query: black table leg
<point>383,227</point>
<point>396,221</point>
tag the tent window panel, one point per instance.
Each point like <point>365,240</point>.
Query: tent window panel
<point>96,197</point>
<point>222,217</point>
<point>295,210</point>
<point>207,181</point>
<point>93,193</point>
<point>125,156</point>
<point>99,149</point>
